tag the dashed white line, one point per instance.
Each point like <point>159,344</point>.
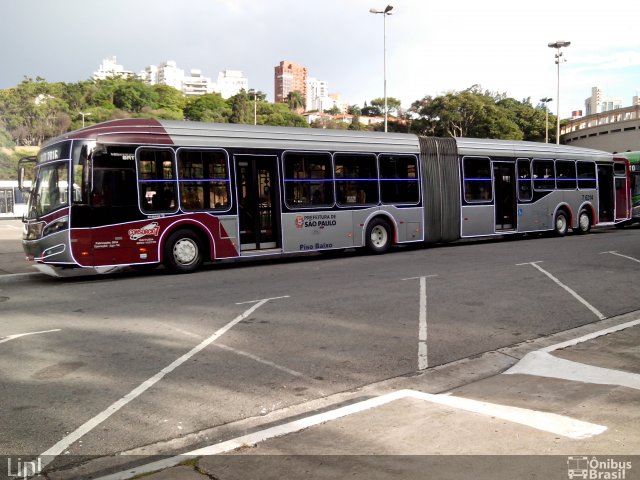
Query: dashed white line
<point>49,455</point>
<point>593,309</point>
<point>18,335</point>
<point>260,360</point>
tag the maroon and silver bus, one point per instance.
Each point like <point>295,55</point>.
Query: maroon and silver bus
<point>144,193</point>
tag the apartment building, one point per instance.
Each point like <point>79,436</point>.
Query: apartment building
<point>289,77</point>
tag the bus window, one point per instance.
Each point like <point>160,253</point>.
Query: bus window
<point>308,180</point>
<point>586,175</point>
<point>619,169</point>
<point>566,174</point>
<point>156,180</point>
<point>204,180</point>
<point>399,179</point>
<point>524,179</point>
<point>477,179</point>
<point>544,177</point>
<point>356,179</point>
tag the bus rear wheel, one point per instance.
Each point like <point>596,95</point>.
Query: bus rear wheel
<point>561,224</point>
<point>584,222</point>
<point>378,236</point>
<point>183,252</point>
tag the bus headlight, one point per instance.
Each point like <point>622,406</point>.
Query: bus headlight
<point>57,225</point>
<point>32,231</point>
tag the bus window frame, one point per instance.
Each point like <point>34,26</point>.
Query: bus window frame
<point>228,180</point>
<point>551,178</point>
<point>309,204</point>
<point>490,180</point>
<point>563,180</point>
<point>174,180</point>
<point>337,180</point>
<point>594,179</point>
<point>417,180</point>
<point>520,179</point>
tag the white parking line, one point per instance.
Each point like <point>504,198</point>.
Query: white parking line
<point>542,364</point>
<point>548,422</point>
<point>49,455</point>
<point>593,309</point>
<point>18,335</point>
<point>613,252</point>
<point>423,362</point>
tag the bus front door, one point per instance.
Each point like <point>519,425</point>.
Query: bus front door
<point>258,215</point>
<point>504,177</point>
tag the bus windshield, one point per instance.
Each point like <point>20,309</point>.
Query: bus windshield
<point>51,190</point>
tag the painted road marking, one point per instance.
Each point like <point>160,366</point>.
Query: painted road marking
<point>548,422</point>
<point>542,364</point>
<point>423,362</point>
<point>593,309</point>
<point>18,335</point>
<point>49,455</point>
<point>260,360</point>
<point>613,252</point>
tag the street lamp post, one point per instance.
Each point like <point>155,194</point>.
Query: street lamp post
<point>385,12</point>
<point>545,101</point>
<point>255,106</point>
<point>82,114</point>
<point>558,45</point>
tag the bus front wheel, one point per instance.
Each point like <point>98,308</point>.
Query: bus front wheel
<point>379,236</point>
<point>561,224</point>
<point>183,252</point>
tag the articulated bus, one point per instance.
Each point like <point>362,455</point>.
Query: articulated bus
<point>143,193</point>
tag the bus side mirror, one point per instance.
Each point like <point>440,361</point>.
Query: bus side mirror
<point>22,163</point>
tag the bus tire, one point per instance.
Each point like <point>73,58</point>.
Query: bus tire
<point>378,236</point>
<point>560,224</point>
<point>584,222</point>
<point>183,252</point>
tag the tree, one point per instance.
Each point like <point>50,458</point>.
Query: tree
<point>470,113</point>
<point>393,105</point>
<point>207,108</point>
<point>296,101</point>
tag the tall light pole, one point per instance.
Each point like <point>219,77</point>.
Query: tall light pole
<point>558,45</point>
<point>82,114</point>
<point>385,12</point>
<point>255,106</point>
<point>546,100</point>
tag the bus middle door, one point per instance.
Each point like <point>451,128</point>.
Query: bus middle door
<point>259,214</point>
<point>504,185</point>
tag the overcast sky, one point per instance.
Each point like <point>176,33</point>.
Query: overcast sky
<point>432,46</point>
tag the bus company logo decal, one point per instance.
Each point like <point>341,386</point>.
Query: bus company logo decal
<point>151,229</point>
<point>596,468</point>
<point>316,221</point>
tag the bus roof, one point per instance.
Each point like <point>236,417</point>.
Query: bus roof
<point>224,135</point>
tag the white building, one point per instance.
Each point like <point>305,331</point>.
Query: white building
<point>230,83</point>
<point>196,84</point>
<point>110,69</point>
<point>317,95</point>
<point>598,103</point>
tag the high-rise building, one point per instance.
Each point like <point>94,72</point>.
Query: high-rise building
<point>316,91</point>
<point>289,77</point>
<point>598,103</point>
